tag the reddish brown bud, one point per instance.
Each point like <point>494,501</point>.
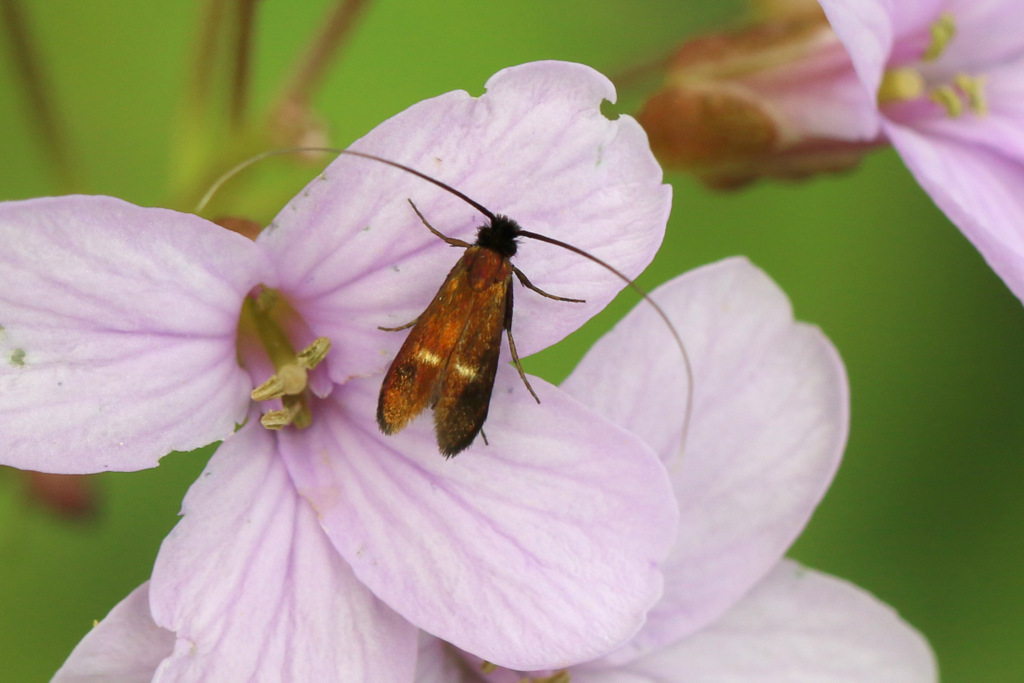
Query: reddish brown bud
<point>68,495</point>
<point>778,99</point>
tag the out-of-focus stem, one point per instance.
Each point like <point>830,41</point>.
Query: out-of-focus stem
<point>243,52</point>
<point>312,66</point>
<point>206,54</point>
<point>37,91</point>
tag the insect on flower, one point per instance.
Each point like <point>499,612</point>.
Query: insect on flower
<point>449,360</point>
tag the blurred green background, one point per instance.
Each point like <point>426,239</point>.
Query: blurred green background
<point>925,512</point>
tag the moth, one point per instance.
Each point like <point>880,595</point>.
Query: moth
<point>450,358</point>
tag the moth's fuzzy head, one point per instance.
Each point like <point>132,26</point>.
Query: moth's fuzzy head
<point>499,235</point>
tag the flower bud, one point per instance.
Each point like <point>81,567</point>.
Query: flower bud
<point>779,99</point>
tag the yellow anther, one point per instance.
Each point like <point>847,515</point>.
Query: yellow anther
<point>942,29</point>
<point>947,96</point>
<point>295,413</point>
<point>900,84</point>
<point>313,354</point>
<point>289,381</point>
<point>272,388</point>
<point>973,88</point>
<point>279,419</point>
<point>264,315</point>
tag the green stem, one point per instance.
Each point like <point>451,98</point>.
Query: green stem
<point>312,66</point>
<point>243,54</point>
<point>37,91</point>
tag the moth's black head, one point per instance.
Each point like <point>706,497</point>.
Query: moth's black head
<point>499,235</point>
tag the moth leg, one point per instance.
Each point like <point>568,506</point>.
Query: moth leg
<point>519,366</point>
<point>450,240</point>
<point>507,324</point>
<point>399,328</point>
<point>486,442</point>
<point>529,285</point>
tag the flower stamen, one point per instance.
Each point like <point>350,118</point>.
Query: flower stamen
<point>973,88</point>
<point>295,412</point>
<point>313,355</point>
<point>901,84</point>
<point>942,31</point>
<point>290,378</point>
<point>290,381</point>
<point>905,83</point>
<point>947,97</point>
<point>287,381</point>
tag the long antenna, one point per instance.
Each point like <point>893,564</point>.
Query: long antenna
<point>234,170</point>
<point>646,297</point>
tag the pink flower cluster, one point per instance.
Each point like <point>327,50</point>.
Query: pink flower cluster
<point>589,535</point>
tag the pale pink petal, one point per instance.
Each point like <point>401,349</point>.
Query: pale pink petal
<point>535,146</point>
<point>636,376</point>
<point>988,32</point>
<point>127,646</point>
<point>818,95</point>
<point>980,191</point>
<point>536,551</point>
<point>866,29</point>
<point>253,588</point>
<point>795,626</point>
<point>767,430</point>
<point>971,165</point>
<point>909,18</point>
<point>118,333</point>
<point>880,34</point>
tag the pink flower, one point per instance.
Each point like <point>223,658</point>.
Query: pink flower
<point>949,79</point>
<point>942,80</point>
<point>312,554</point>
<point>768,428</point>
